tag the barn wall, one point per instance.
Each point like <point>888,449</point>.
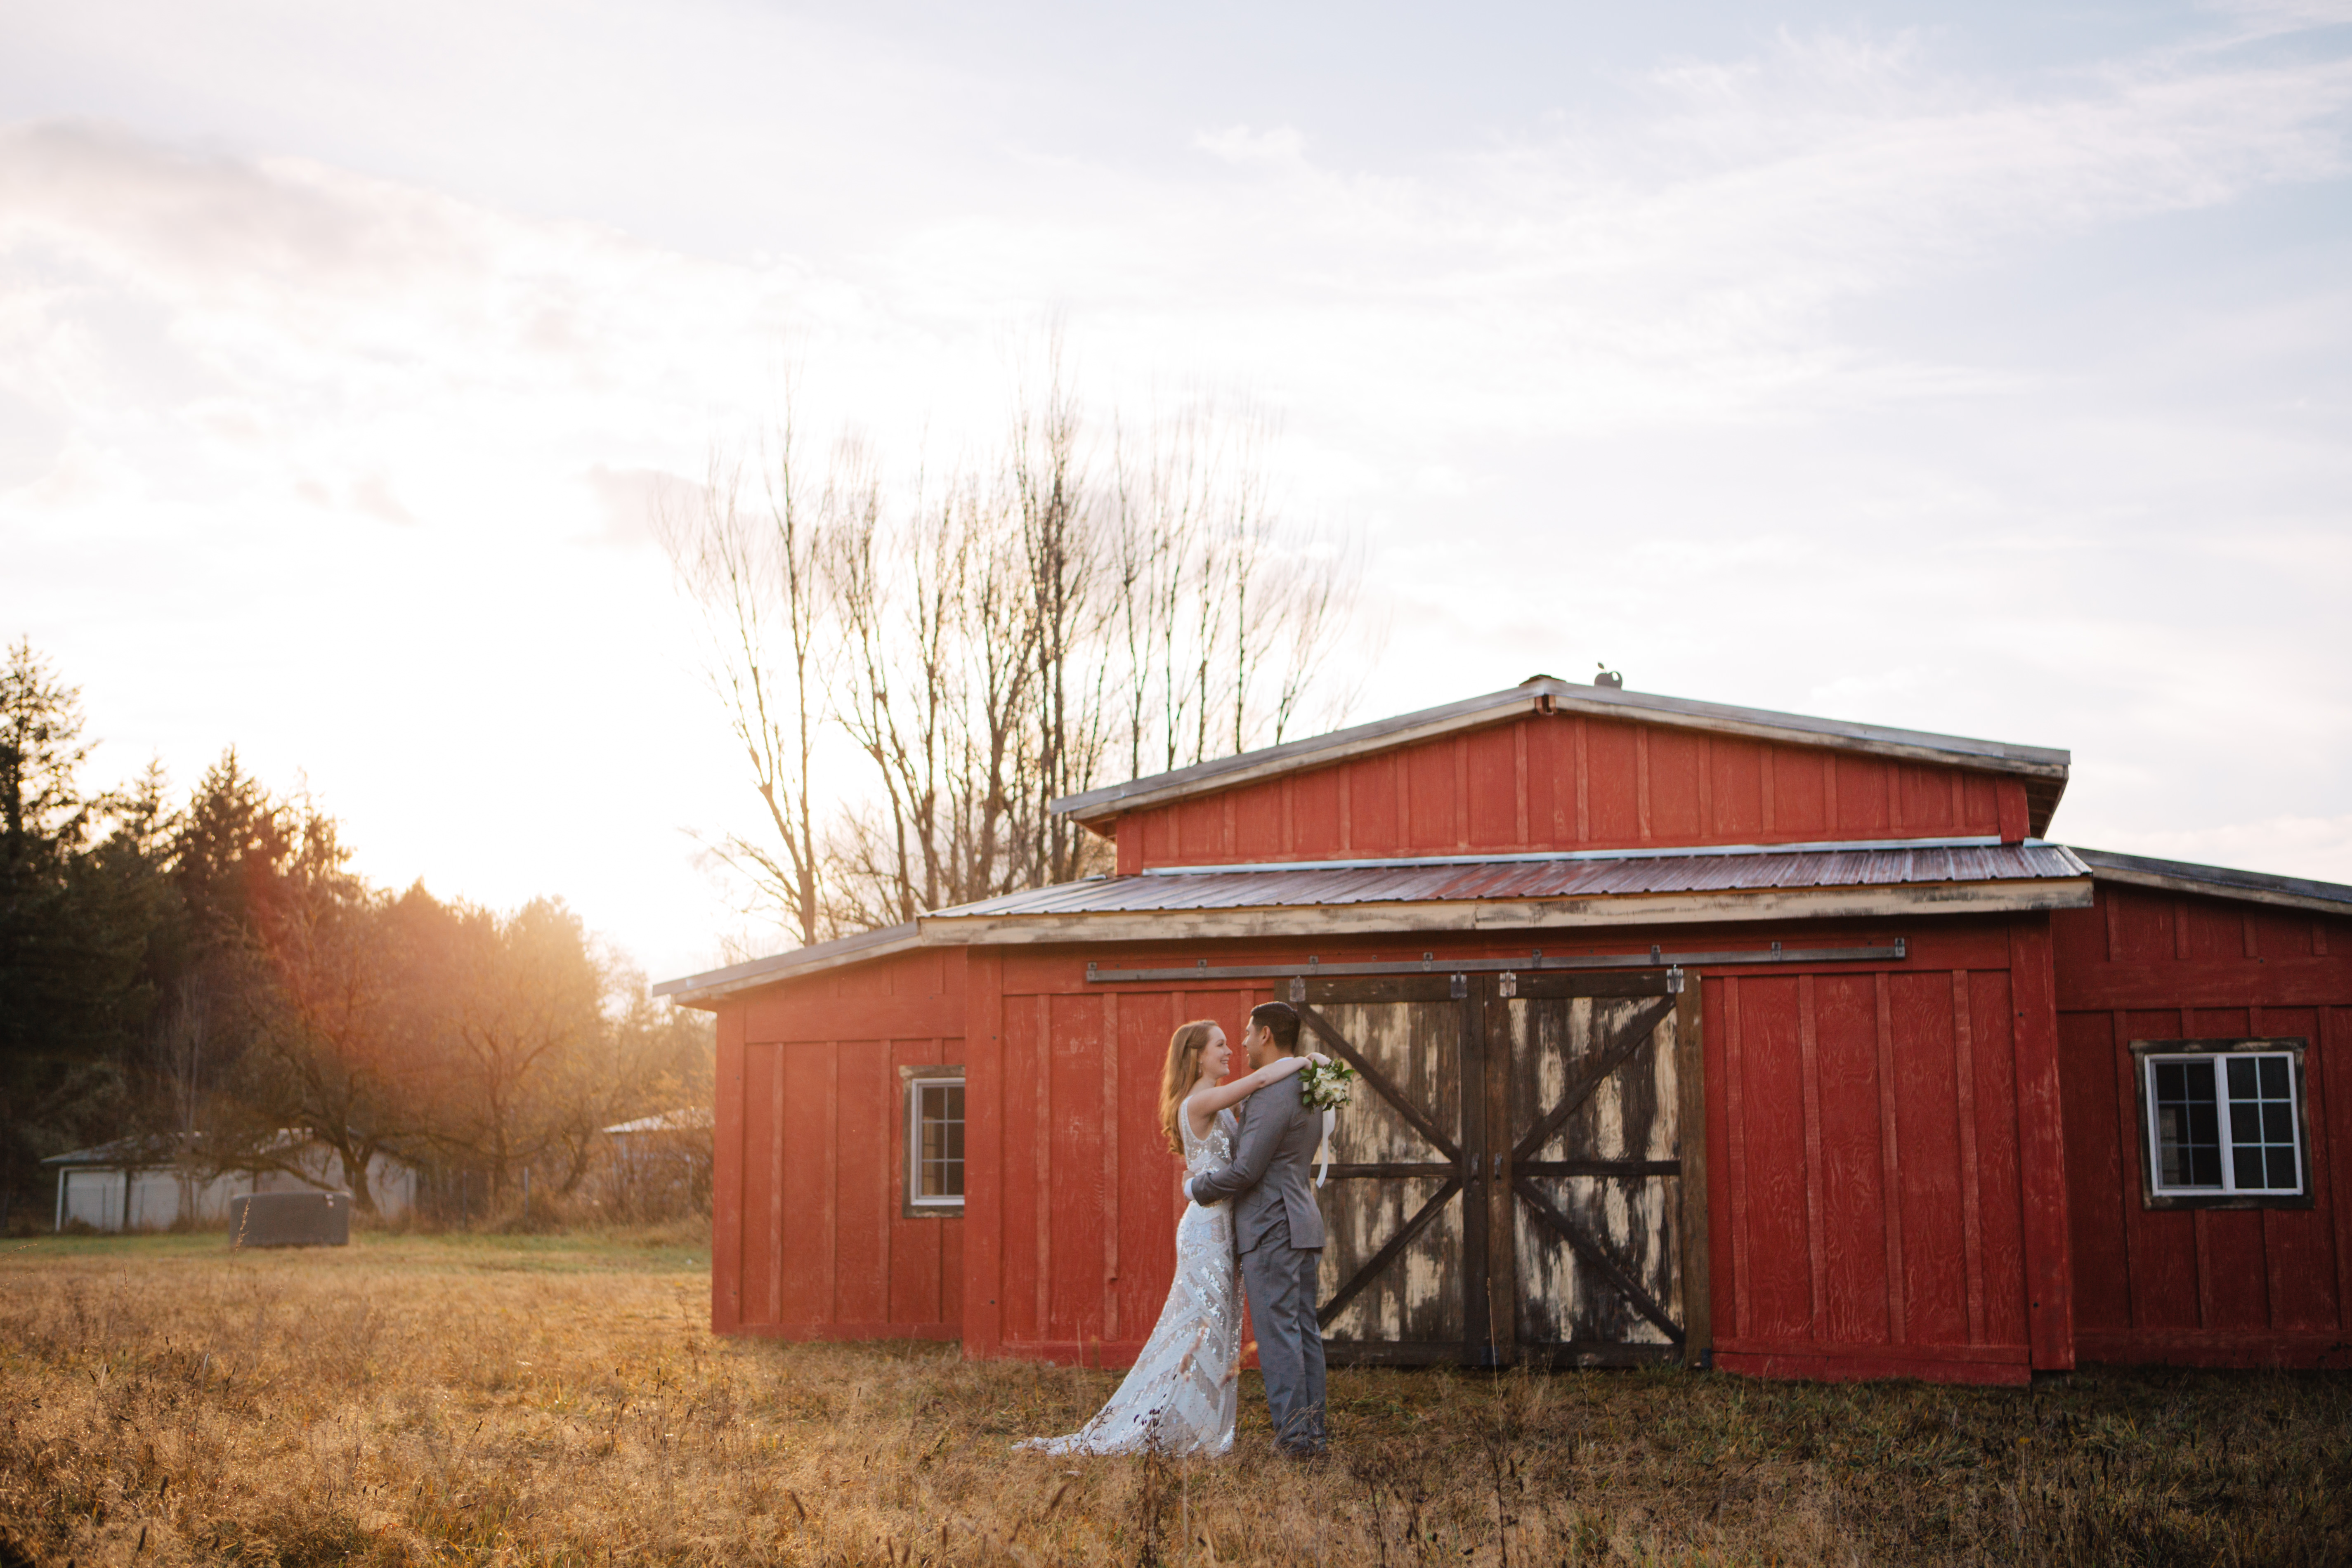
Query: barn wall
<point>1569,782</point>
<point>1870,1132</point>
<point>1870,1128</point>
<point>1075,1238</point>
<point>2247,1286</point>
<point>809,1239</point>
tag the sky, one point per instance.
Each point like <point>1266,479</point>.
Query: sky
<point>1982,369</point>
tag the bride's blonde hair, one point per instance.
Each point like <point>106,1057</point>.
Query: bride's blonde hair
<point>1184,1070</point>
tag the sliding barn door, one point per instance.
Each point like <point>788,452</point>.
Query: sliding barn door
<point>1520,1176</point>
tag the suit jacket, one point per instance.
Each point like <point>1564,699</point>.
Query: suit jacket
<point>1268,1176</point>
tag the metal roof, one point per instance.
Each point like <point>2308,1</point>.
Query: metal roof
<point>2046,768</point>
<point>1587,888</point>
<point>136,1152</point>
<point>692,1119</point>
<point>713,984</point>
<point>1518,889</point>
<point>1570,876</point>
<point>2184,877</point>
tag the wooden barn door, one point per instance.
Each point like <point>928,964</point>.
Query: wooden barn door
<point>1404,1253</point>
<point>1510,1182</point>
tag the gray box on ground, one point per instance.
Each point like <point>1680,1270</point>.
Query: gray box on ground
<point>290,1219</point>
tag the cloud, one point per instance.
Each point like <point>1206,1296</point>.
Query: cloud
<point>2317,847</point>
<point>1629,384</point>
<point>633,501</point>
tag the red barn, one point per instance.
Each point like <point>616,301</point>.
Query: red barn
<point>1688,1032</point>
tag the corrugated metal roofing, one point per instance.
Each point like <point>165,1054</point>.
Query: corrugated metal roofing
<point>1566,877</point>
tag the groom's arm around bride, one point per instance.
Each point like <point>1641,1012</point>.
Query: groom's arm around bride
<point>1279,1231</point>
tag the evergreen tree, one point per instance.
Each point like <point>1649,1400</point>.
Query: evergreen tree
<point>76,920</point>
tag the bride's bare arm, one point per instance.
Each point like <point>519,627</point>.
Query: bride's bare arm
<point>1205,1103</point>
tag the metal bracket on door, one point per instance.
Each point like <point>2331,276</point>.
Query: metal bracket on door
<point>1461,987</point>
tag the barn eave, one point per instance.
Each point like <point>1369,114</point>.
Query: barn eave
<point>708,989</point>
<point>2014,897</point>
<point>2217,881</point>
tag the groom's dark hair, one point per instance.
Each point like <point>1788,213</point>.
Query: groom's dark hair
<point>1279,1019</point>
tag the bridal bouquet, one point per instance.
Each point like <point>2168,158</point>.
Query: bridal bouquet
<point>1326,1086</point>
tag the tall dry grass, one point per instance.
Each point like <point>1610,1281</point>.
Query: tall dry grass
<point>413,1400</point>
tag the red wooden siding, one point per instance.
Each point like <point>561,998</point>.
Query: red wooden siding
<point>1572,782</point>
<point>2242,1287</point>
<point>809,1235</point>
<point>1081,1217</point>
<point>1866,1207</point>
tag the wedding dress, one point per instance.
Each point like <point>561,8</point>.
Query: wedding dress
<point>1178,1397</point>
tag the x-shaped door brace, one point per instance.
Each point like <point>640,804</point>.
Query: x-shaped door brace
<point>1386,1088</point>
<point>1615,1050</point>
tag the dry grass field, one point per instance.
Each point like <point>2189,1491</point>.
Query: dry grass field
<point>413,1400</point>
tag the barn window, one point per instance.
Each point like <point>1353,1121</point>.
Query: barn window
<point>934,1139</point>
<point>2222,1123</point>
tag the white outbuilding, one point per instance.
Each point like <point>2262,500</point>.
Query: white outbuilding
<point>149,1184</point>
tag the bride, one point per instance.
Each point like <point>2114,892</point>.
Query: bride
<point>1178,1397</point>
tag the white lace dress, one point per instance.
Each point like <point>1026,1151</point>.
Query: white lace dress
<point>1178,1397</point>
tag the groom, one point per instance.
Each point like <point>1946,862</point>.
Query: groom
<point>1279,1231</point>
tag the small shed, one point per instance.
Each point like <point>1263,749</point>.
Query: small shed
<point>151,1183</point>
<point>1691,1033</point>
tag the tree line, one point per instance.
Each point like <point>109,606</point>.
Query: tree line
<point>916,664</point>
<point>208,975</point>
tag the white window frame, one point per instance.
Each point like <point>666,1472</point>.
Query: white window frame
<point>916,1079</point>
<point>2148,1055</point>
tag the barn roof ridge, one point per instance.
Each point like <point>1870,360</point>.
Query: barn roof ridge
<point>1546,694</point>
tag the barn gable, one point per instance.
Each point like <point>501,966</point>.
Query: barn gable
<point>1548,766</point>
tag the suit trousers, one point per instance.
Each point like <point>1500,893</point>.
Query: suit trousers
<point>1281,1279</point>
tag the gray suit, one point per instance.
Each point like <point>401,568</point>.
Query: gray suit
<point>1279,1231</point>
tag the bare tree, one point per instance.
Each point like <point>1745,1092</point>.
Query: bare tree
<point>1062,548</point>
<point>991,641</point>
<point>755,575</point>
<point>1227,615</point>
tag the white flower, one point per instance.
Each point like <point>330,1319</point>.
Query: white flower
<point>1326,1086</point>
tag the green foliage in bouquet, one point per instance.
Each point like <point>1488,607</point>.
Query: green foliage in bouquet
<point>1327,1086</point>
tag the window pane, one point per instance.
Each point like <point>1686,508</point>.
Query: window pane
<point>939,1140</point>
<point>2262,1124</point>
<point>2205,1165</point>
<point>2187,1126</point>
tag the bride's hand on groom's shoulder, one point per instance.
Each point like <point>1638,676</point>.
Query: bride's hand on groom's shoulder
<point>1318,1058</point>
